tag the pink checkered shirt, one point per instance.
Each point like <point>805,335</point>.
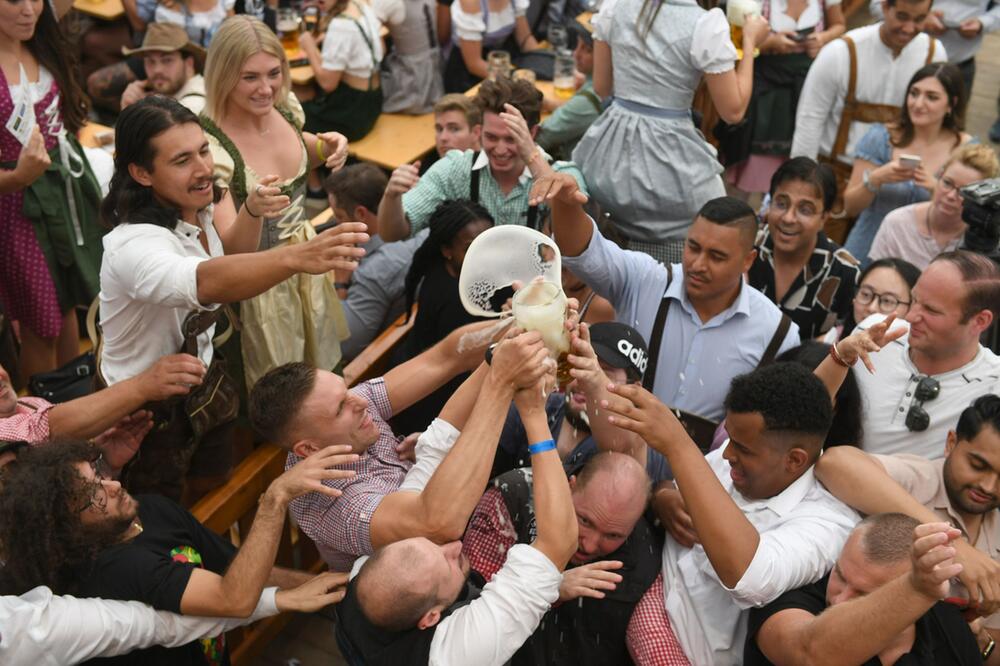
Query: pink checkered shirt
<point>30,423</point>
<point>489,536</point>
<point>650,638</point>
<point>341,526</point>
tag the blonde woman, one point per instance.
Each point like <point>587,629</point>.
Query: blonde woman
<point>254,128</point>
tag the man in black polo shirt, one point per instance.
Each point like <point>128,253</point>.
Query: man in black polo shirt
<point>67,527</point>
<point>811,278</point>
<point>879,605</point>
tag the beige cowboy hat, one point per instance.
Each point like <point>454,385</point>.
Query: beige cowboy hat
<point>168,37</point>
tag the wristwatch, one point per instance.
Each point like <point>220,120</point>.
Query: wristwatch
<point>866,178</point>
<point>988,650</point>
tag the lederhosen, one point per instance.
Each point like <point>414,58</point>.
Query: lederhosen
<point>196,426</point>
<point>700,428</point>
<point>854,111</point>
<point>474,174</point>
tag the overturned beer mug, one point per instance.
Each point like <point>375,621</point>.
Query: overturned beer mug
<point>503,255</point>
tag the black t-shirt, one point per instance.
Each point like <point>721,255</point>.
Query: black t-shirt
<point>943,637</point>
<point>154,568</point>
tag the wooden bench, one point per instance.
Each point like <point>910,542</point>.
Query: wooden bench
<point>230,509</point>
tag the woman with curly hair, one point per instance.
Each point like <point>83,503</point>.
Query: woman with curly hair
<point>51,250</point>
<point>434,272</point>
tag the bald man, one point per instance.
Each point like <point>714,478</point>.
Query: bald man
<point>414,602</point>
<point>616,560</point>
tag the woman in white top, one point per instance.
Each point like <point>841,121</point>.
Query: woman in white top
<point>651,55</point>
<point>201,18</point>
<point>753,150</point>
<point>349,97</point>
<point>481,26</point>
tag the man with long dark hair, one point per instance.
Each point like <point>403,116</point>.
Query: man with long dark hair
<point>66,527</point>
<point>166,260</point>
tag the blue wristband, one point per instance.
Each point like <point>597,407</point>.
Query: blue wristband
<point>542,446</point>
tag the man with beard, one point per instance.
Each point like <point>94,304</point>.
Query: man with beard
<point>172,64</point>
<point>963,489</point>
<point>68,528</point>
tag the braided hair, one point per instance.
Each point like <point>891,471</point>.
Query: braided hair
<point>446,222</point>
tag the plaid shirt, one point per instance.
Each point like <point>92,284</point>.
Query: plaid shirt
<point>651,640</point>
<point>449,178</point>
<point>341,526</point>
<point>489,536</point>
<point>29,423</point>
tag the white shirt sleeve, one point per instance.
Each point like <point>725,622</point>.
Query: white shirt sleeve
<point>43,629</point>
<point>390,12</point>
<point>520,7</point>
<point>488,631</point>
<point>798,552</point>
<point>825,82</point>
<point>339,45</point>
<point>153,268</point>
<point>601,21</point>
<point>432,446</point>
<point>469,27</point>
<point>712,49</point>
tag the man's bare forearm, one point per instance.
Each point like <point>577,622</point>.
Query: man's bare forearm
<point>392,222</point>
<point>92,414</point>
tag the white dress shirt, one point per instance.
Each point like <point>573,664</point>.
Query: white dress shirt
<point>888,394</point>
<point>149,285</point>
<point>432,446</point>
<point>881,79</point>
<point>802,530</point>
<point>43,629</point>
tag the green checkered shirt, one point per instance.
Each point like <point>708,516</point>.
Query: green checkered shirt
<point>449,177</point>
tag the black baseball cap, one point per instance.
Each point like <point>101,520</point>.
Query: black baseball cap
<point>583,30</point>
<point>620,346</point>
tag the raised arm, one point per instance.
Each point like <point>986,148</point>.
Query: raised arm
<point>235,278</point>
<point>854,631</point>
<point>441,511</point>
<point>571,226</point>
<point>729,538</point>
<point>236,593</point>
<point>845,353</point>
<point>554,513</point>
<point>393,224</point>
<point>461,351</point>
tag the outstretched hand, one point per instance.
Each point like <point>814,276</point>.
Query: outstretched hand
<point>933,559</point>
<point>635,409</point>
<point>119,443</point>
<point>309,474</point>
<point>868,341</point>
<point>325,589</point>
<point>556,186</point>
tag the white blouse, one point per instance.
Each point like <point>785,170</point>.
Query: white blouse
<point>810,18</point>
<point>712,50</point>
<point>471,27</point>
<point>346,50</point>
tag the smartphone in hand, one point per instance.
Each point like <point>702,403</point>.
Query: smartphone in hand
<point>910,161</point>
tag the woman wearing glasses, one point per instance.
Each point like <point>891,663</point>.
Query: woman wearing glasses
<point>884,287</point>
<point>896,164</point>
<point>920,232</point>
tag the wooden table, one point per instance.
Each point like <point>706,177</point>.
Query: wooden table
<point>89,133</point>
<point>399,139</point>
<point>107,10</point>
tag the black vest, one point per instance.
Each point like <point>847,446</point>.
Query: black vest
<point>583,632</point>
<point>361,642</point>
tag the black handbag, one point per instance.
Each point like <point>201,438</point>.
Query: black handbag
<point>73,380</point>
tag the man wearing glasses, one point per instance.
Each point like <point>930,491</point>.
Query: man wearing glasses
<point>920,232</point>
<point>922,381</point>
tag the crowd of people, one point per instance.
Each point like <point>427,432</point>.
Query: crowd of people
<point>772,435</point>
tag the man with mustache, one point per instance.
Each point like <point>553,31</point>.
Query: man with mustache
<point>963,488</point>
<point>171,63</point>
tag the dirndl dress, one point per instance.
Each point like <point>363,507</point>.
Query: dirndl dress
<point>411,73</point>
<point>664,169</point>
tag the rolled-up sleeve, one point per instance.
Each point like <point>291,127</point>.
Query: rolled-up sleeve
<point>152,273</point>
<point>432,446</point>
<point>488,631</point>
<point>797,553</point>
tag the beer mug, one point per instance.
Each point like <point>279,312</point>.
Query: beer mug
<point>563,74</point>
<point>736,12</point>
<point>288,29</point>
<point>541,306</point>
<point>498,65</point>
